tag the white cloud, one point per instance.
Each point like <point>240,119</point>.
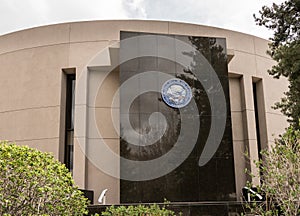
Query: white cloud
<point>16,15</point>
<point>230,14</point>
<point>135,8</point>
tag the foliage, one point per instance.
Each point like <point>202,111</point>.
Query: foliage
<point>34,183</point>
<point>284,19</point>
<point>140,210</point>
<point>280,177</point>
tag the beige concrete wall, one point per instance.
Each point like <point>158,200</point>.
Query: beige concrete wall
<point>238,133</point>
<point>101,128</point>
<point>31,85</point>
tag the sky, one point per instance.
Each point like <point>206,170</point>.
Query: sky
<point>230,14</point>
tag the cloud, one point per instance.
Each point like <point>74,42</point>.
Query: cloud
<point>230,14</point>
<point>135,8</point>
<point>16,15</point>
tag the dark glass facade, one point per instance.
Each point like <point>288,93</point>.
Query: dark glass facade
<point>188,182</point>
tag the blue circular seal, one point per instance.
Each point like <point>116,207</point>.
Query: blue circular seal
<point>176,93</point>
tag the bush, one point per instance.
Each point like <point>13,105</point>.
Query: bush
<point>280,177</point>
<point>34,183</point>
<point>140,210</point>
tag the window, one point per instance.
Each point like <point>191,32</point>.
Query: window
<point>256,110</point>
<point>69,123</point>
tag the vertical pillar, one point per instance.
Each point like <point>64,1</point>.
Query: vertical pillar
<point>250,126</point>
<point>80,125</point>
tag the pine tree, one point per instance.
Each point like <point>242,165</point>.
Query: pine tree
<point>284,20</point>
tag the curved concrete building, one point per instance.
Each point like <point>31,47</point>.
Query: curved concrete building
<point>72,88</point>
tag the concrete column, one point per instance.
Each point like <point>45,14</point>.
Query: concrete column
<point>250,125</point>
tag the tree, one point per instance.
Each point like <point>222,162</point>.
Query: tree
<point>34,183</point>
<point>284,20</point>
<point>280,177</point>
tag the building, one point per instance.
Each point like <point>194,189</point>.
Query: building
<point>75,88</point>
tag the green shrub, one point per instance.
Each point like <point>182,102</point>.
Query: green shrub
<point>34,183</point>
<point>140,210</point>
<point>280,177</point>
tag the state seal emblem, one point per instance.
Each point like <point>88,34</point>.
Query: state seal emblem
<point>176,93</point>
